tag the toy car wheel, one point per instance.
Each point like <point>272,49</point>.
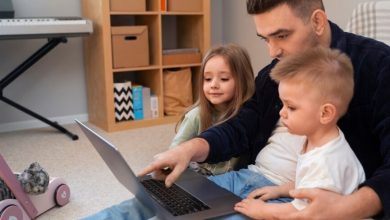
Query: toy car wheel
<point>11,212</point>
<point>62,195</point>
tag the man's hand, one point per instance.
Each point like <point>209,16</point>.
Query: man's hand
<point>170,164</point>
<point>329,205</point>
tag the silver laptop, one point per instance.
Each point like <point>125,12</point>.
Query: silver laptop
<point>194,196</point>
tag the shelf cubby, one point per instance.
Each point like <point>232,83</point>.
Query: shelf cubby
<point>166,30</point>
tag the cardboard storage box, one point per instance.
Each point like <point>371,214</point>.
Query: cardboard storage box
<point>128,5</point>
<point>181,56</point>
<point>185,5</point>
<point>130,46</point>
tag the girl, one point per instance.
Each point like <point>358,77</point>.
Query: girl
<point>226,82</point>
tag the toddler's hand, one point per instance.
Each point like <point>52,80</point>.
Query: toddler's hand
<point>265,193</point>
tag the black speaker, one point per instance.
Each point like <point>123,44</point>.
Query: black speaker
<point>6,9</point>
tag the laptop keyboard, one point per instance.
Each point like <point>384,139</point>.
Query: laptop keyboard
<point>174,199</point>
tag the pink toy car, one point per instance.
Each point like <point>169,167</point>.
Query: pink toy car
<point>25,206</point>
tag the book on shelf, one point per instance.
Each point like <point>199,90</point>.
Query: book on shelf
<point>137,102</point>
<point>154,105</point>
<point>134,102</point>
<point>146,102</point>
<point>163,5</point>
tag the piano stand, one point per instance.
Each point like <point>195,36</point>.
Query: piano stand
<point>52,43</point>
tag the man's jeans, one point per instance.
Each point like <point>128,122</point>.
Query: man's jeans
<point>130,209</point>
<point>240,182</point>
<point>243,182</point>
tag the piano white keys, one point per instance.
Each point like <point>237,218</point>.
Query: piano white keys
<point>44,27</point>
<point>39,21</point>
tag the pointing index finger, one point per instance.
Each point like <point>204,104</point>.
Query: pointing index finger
<point>148,169</point>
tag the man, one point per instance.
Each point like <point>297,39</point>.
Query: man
<point>288,27</point>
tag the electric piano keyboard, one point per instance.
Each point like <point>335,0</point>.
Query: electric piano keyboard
<point>44,27</point>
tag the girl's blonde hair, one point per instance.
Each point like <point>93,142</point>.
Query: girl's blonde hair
<point>241,68</point>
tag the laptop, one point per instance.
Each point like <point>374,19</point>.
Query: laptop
<point>203,199</point>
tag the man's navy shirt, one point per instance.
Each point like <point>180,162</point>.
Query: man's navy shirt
<point>366,124</point>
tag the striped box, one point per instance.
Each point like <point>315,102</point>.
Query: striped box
<point>123,100</point>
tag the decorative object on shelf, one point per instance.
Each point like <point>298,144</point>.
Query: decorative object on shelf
<point>177,90</point>
<point>123,102</point>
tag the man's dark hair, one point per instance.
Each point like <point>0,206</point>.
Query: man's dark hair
<point>301,8</point>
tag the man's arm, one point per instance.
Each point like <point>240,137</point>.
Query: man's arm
<point>221,142</point>
<point>324,204</point>
<point>380,180</point>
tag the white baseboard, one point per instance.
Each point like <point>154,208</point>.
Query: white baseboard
<point>22,125</point>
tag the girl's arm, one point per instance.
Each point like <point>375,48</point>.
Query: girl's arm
<point>189,128</point>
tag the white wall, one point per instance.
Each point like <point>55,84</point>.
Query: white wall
<point>55,86</point>
<point>216,22</point>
